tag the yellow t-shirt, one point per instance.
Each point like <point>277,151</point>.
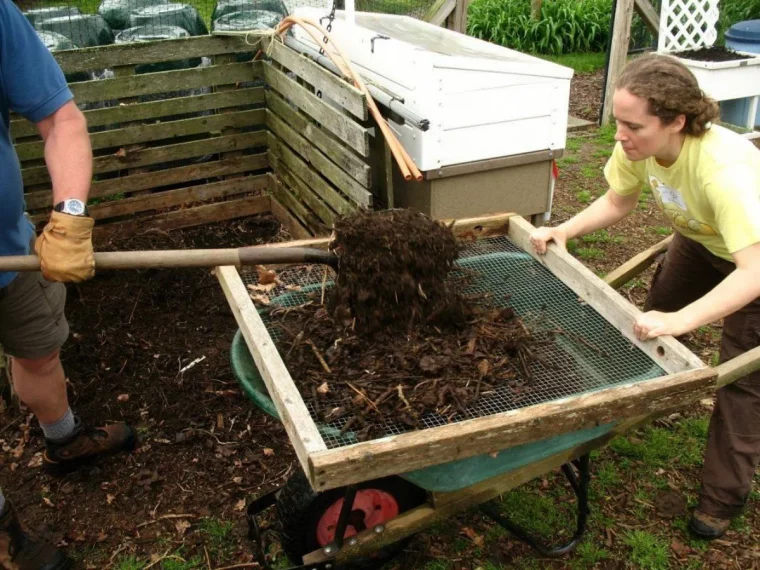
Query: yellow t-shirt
<point>711,194</point>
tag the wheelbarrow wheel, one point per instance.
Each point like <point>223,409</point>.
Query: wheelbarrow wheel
<point>308,519</point>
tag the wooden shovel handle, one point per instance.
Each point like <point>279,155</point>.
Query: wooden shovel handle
<point>187,258</point>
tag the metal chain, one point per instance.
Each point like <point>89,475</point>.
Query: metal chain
<point>330,19</point>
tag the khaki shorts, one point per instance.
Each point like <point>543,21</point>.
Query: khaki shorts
<point>32,320</point>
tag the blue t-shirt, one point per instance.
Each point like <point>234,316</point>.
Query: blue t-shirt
<point>32,85</point>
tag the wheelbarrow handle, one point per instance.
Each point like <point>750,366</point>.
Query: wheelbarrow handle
<point>252,255</point>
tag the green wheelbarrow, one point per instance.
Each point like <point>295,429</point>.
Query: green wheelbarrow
<point>354,504</point>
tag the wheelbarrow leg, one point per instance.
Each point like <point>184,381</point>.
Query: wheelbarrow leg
<point>579,482</point>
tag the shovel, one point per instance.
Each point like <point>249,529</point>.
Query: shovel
<point>243,256</point>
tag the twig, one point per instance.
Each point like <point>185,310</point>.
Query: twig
<point>165,517</point>
<point>403,399</point>
<point>246,565</point>
<point>163,557</point>
<point>208,560</point>
<point>319,356</point>
<point>363,395</point>
<point>324,286</point>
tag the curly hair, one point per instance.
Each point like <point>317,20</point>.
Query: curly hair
<point>671,90</point>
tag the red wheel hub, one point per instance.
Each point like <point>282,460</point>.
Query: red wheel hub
<point>371,507</point>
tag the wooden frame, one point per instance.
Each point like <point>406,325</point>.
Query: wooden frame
<point>687,379</point>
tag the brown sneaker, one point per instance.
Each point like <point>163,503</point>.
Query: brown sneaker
<point>18,551</point>
<point>707,527</point>
<point>85,444</point>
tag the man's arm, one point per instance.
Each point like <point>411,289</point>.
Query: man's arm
<point>68,152</point>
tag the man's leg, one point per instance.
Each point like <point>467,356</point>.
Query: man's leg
<point>33,328</point>
<point>41,385</point>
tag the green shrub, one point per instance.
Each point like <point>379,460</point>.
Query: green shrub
<point>565,25</point>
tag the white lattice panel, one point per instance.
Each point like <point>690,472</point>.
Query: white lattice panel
<point>687,24</point>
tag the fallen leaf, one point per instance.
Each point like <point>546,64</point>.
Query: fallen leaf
<point>484,367</point>
<point>237,480</point>
<point>429,364</point>
<point>181,525</point>
<point>268,451</point>
<point>707,403</point>
<point>263,299</point>
<point>266,276</point>
<point>262,288</point>
<point>48,502</point>
<point>323,389</point>
<point>122,398</point>
<point>240,505</point>
<point>476,538</point>
<point>680,549</point>
<point>219,421</point>
<point>36,461</point>
<point>293,287</point>
<point>121,153</point>
<point>110,498</point>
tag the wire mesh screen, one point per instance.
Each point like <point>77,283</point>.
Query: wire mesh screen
<point>586,353</point>
<point>70,24</point>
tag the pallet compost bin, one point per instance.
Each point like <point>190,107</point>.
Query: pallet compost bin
<point>496,118</point>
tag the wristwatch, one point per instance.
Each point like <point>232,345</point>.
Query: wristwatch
<point>71,206</point>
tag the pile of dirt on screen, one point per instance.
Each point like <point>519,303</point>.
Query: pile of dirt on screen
<point>398,339</point>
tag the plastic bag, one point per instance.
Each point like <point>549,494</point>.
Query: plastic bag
<point>85,30</point>
<point>116,12</point>
<point>181,15</point>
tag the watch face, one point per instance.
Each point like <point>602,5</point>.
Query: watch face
<point>75,207</point>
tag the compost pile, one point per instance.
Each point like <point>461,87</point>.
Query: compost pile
<point>397,340</point>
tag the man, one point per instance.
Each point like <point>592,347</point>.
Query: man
<point>32,322</point>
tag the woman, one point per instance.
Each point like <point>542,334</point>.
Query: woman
<point>706,180</point>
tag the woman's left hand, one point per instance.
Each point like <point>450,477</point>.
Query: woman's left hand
<point>654,323</point>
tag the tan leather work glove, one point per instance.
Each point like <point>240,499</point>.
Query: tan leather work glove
<point>65,248</point>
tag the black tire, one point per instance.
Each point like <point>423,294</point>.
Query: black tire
<point>299,510</point>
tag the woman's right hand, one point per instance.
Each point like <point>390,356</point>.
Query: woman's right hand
<point>542,236</point>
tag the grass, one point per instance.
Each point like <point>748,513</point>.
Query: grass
<point>660,447</point>
<point>663,230</point>
<point>535,512</point>
<point>573,143</point>
<point>648,551</point>
<point>589,171</point>
<point>602,236</point>
<point>565,160</point>
<point>588,554</point>
<point>589,253</point>
<point>129,563</point>
<point>584,196</point>
<point>177,563</point>
<point>580,62</point>
<point>218,534</point>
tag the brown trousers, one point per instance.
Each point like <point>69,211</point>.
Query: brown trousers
<point>688,272</point>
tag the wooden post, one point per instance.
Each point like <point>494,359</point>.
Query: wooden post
<point>457,20</point>
<point>649,16</point>
<point>440,11</point>
<point>618,51</point>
